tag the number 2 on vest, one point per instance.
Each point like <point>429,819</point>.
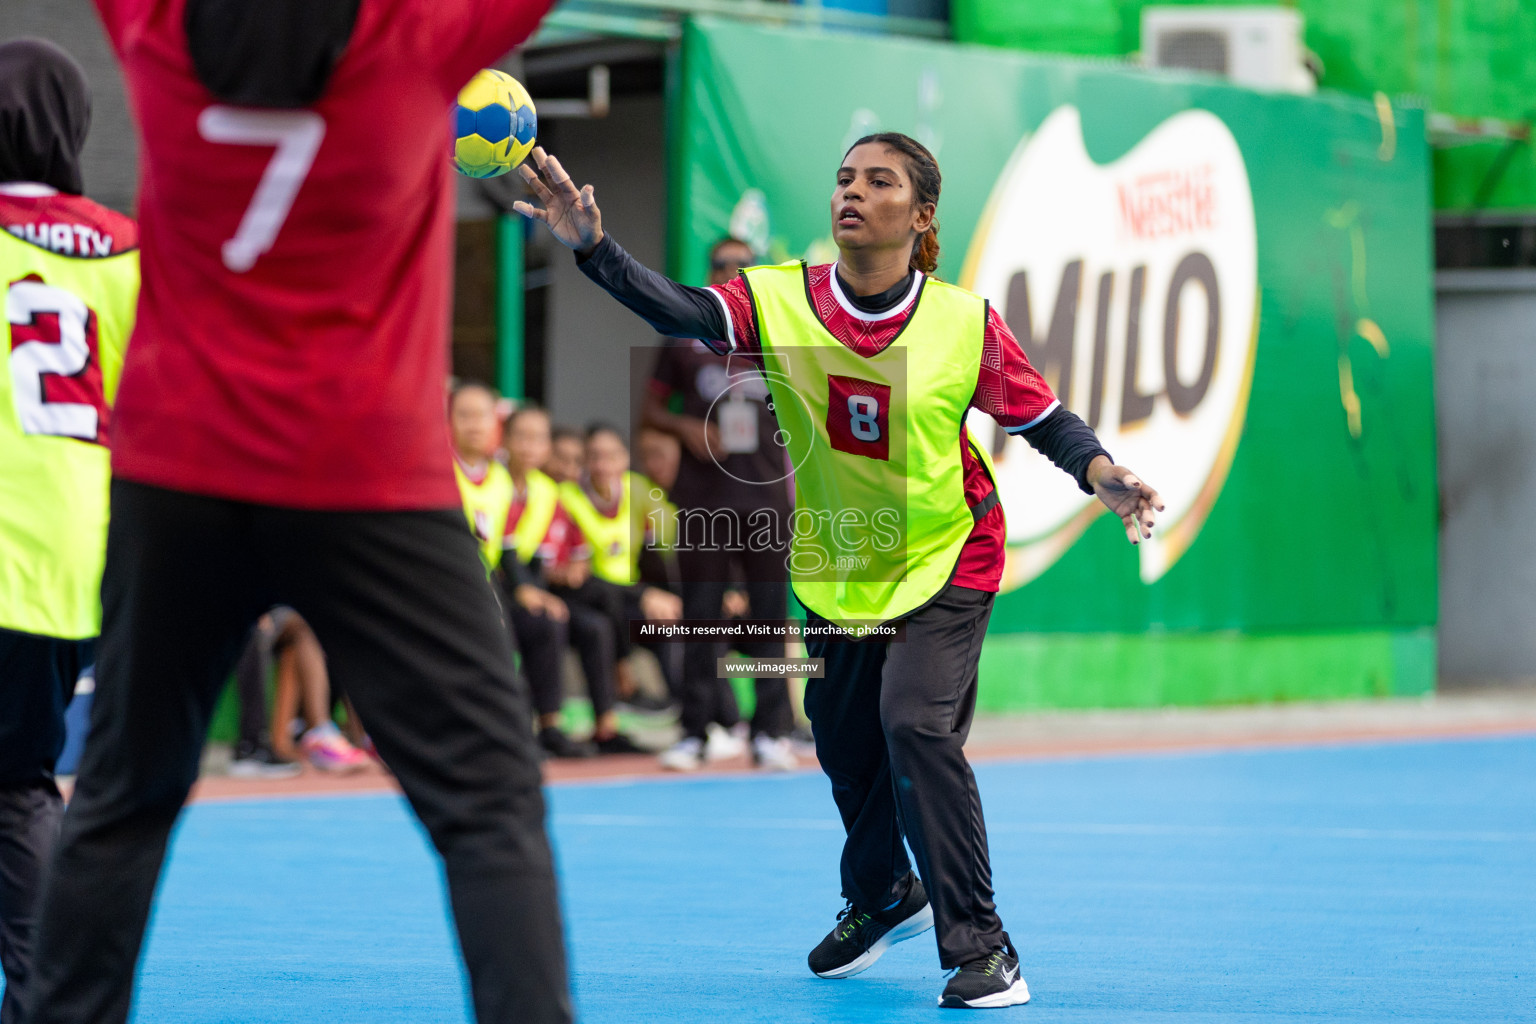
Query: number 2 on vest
<point>297,135</point>
<point>55,371</point>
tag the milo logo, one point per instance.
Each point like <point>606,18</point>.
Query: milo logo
<point>1133,288</point>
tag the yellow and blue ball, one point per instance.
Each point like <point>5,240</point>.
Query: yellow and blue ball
<point>494,125</point>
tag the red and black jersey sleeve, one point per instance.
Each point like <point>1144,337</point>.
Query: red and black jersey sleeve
<point>740,318</point>
<point>1008,388</point>
<point>474,34</point>
<point>673,309</point>
<point>1012,392</point>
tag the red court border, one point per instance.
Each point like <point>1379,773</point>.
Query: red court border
<point>643,767</point>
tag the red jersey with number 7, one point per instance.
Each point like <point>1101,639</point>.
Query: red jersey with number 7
<point>292,339</point>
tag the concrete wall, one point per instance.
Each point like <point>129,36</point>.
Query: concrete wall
<point>1485,366</point>
<point>111,155</point>
<point>590,335</point>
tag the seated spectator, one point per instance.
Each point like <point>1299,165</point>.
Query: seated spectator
<point>566,460</point>
<point>484,484</point>
<point>490,493</point>
<point>660,454</point>
<point>619,516</point>
<point>540,546</point>
<point>304,688</point>
<point>506,510</point>
<point>254,757</point>
<point>303,683</point>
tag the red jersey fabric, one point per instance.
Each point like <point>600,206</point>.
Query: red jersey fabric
<point>302,366</point>
<point>65,224</point>
<point>1007,388</point>
<point>562,543</point>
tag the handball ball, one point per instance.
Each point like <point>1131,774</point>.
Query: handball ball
<point>493,125</point>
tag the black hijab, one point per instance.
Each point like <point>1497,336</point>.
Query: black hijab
<point>45,112</point>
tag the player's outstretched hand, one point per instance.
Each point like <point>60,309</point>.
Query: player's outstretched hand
<point>570,213</point>
<point>1124,494</point>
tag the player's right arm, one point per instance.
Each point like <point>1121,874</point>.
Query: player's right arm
<point>572,216</point>
<point>116,15</point>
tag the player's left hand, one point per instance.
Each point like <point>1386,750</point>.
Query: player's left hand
<point>1127,496</point>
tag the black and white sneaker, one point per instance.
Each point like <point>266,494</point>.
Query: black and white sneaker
<point>257,761</point>
<point>860,938</point>
<point>987,982</point>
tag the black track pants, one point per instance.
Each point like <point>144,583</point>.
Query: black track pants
<point>410,627</point>
<point>705,697</point>
<point>541,641</point>
<point>37,680</point>
<point>29,827</point>
<point>890,721</point>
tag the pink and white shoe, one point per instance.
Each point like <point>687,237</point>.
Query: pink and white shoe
<point>329,751</point>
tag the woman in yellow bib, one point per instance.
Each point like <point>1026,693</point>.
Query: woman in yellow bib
<point>623,519</point>
<point>873,365</point>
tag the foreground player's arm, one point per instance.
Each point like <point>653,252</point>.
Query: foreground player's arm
<point>572,216</point>
<point>464,36</point>
<point>1012,392</point>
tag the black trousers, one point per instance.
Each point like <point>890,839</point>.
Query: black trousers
<point>542,642</point>
<point>408,620</point>
<point>37,680</point>
<point>705,697</point>
<point>668,658</point>
<point>29,828</point>
<point>616,605</point>
<point>890,721</point>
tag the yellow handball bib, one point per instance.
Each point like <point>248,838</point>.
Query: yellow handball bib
<point>642,517</point>
<point>538,512</point>
<point>67,324</point>
<point>486,505</point>
<point>880,508</point>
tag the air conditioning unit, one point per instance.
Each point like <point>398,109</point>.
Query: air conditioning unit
<point>1260,47</point>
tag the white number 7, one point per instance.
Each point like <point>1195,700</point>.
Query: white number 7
<point>297,135</point>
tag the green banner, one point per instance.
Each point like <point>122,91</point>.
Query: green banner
<point>1233,288</point>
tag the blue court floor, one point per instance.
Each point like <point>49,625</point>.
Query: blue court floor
<point>1353,883</point>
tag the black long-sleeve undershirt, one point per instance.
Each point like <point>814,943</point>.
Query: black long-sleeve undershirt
<point>687,312</point>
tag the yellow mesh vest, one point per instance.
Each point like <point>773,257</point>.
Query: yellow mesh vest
<point>642,517</point>
<point>538,513</point>
<point>486,505</point>
<point>67,325</point>
<point>880,509</point>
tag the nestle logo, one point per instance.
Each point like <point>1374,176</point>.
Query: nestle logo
<point>1166,204</point>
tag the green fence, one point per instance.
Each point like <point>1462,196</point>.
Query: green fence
<point>1468,58</point>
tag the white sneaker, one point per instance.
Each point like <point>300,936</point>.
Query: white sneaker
<point>686,755</point>
<point>723,744</point>
<point>774,754</point>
